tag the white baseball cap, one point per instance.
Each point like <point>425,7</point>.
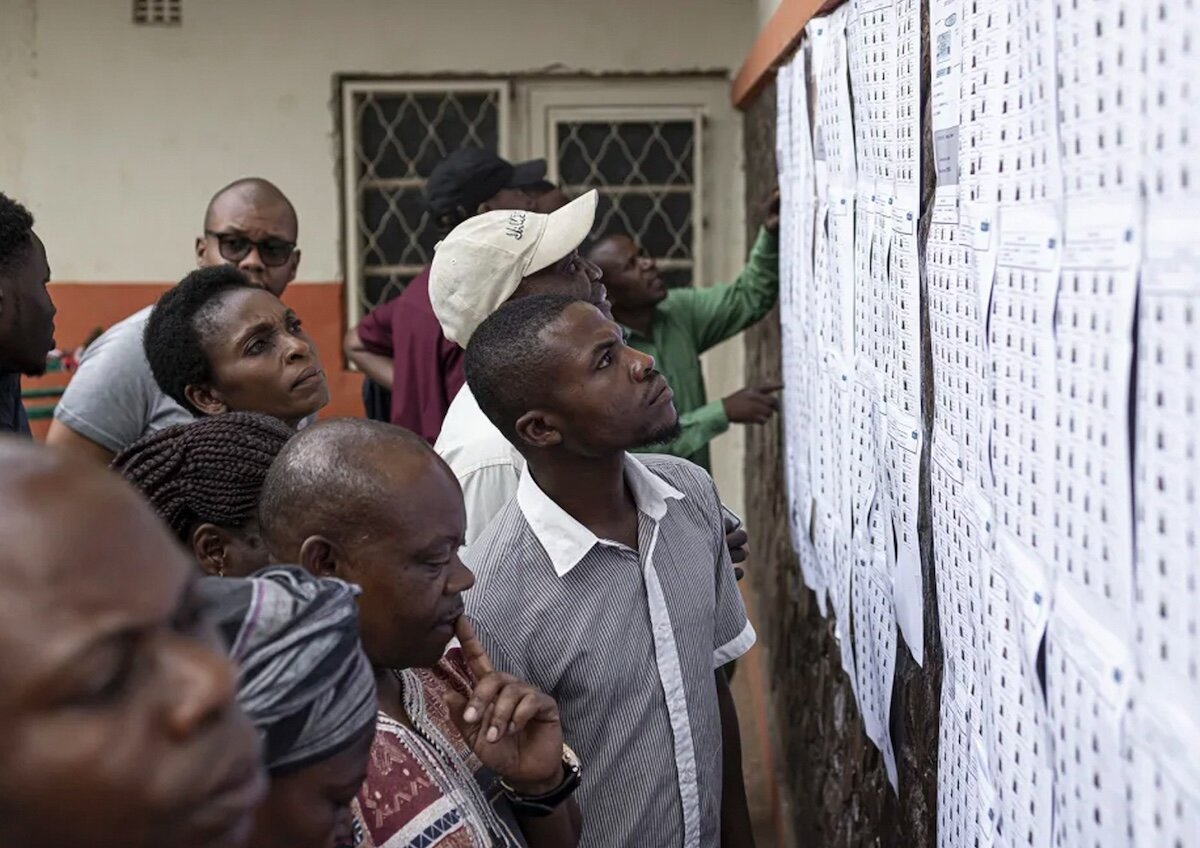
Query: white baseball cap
<point>480,264</point>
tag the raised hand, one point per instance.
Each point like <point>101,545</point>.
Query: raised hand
<point>753,404</point>
<point>512,727</point>
<point>771,212</point>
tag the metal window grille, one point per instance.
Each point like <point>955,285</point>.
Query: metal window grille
<point>645,171</point>
<point>394,133</point>
<point>158,12</point>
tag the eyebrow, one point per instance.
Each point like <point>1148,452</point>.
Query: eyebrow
<point>120,628</point>
<point>234,231</point>
<point>253,330</point>
<point>608,344</point>
<point>260,326</point>
<point>437,544</point>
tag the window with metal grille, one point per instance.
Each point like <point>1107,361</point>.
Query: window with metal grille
<point>645,172</point>
<point>158,12</point>
<point>637,143</point>
<point>394,133</point>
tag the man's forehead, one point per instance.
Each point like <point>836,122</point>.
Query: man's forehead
<point>616,244</point>
<point>250,209</point>
<point>580,323</point>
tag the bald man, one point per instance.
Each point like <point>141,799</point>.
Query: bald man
<point>112,401</point>
<point>117,714</point>
<point>390,520</point>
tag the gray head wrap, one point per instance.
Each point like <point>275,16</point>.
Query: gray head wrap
<point>303,679</point>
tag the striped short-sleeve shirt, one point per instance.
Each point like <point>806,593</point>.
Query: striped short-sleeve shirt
<point>627,643</point>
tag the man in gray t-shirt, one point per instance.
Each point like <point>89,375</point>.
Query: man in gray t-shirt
<point>113,400</point>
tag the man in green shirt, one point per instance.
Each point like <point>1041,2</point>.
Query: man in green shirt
<point>675,326</point>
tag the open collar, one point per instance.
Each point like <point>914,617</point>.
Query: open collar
<point>564,539</point>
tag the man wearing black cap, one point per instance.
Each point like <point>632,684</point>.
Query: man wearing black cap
<point>400,345</point>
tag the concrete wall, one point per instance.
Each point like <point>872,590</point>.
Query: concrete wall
<point>116,134</point>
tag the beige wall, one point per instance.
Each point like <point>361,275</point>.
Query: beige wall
<point>766,8</point>
<point>116,135</point>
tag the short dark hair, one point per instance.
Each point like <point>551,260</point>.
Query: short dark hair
<point>175,332</point>
<point>506,360</point>
<point>16,232</point>
<point>211,470</point>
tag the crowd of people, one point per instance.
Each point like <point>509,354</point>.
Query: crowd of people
<point>504,615</point>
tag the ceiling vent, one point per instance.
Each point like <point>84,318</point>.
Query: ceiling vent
<point>158,12</point>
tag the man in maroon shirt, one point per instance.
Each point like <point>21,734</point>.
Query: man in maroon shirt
<point>399,345</point>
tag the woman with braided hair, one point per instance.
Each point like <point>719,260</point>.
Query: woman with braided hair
<point>204,480</point>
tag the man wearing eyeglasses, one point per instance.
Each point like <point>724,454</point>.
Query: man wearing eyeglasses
<point>113,400</point>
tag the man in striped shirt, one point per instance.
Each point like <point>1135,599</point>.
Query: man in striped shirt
<point>606,581</point>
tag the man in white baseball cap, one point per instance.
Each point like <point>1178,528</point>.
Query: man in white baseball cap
<point>483,263</point>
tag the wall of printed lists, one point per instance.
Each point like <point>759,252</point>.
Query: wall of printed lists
<point>1060,286</point>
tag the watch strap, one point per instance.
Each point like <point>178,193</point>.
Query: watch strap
<point>539,806</point>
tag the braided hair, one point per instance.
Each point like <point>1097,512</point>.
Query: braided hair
<point>210,470</point>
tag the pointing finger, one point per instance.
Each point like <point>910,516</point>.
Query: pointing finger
<point>473,651</point>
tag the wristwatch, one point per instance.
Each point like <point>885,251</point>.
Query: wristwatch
<point>539,806</point>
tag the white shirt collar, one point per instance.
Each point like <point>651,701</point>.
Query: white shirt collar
<point>565,540</point>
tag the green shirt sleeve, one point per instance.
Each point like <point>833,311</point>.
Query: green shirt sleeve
<point>697,429</point>
<point>716,313</point>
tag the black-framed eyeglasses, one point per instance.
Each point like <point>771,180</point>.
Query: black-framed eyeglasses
<point>235,247</point>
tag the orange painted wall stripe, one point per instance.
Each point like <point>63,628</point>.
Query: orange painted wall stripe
<point>777,39</point>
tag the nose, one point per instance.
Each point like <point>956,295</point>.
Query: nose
<point>642,365</point>
<point>298,348</point>
<point>593,271</point>
<point>252,264</point>
<point>201,690</point>
<point>461,578</point>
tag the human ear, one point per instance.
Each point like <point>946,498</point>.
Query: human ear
<point>319,557</point>
<point>294,263</point>
<point>206,399</point>
<point>537,430</point>
<point>201,247</point>
<point>208,547</point>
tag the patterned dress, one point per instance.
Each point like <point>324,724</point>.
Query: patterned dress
<point>424,786</point>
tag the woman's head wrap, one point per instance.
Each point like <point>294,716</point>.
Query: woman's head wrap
<point>303,678</point>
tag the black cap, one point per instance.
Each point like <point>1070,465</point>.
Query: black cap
<point>471,176</point>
